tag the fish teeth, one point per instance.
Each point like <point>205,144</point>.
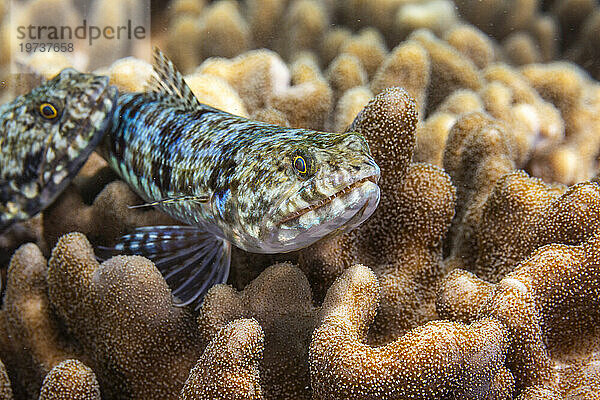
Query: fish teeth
<point>59,176</point>
<point>73,152</point>
<point>30,190</point>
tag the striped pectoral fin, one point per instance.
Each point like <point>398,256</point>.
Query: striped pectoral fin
<point>191,259</point>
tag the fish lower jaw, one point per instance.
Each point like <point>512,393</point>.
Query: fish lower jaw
<point>342,214</point>
<point>328,200</point>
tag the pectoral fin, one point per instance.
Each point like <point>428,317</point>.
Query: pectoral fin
<point>199,199</point>
<point>191,259</point>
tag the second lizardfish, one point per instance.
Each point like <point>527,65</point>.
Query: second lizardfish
<point>45,138</point>
<point>260,187</point>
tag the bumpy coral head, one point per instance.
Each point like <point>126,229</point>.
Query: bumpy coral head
<point>46,136</point>
<point>303,186</point>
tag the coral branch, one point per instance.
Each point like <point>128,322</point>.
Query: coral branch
<point>426,362</point>
<point>228,368</point>
<point>121,312</point>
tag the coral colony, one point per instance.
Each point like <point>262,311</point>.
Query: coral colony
<point>477,277</point>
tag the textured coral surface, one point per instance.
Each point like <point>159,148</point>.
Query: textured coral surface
<point>478,276</point>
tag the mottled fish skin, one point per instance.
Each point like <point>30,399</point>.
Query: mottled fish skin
<point>235,177</point>
<point>40,152</point>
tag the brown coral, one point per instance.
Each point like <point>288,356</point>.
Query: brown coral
<point>306,104</point>
<point>472,43</point>
<point>280,300</point>
<point>498,18</point>
<point>222,30</point>
<point>406,66</point>
<point>585,48</point>
<point>521,49</point>
<point>449,69</point>
<point>479,150</point>
<point>369,47</point>
<point>438,16</point>
<point>121,312</point>
<point>376,13</point>
<point>539,214</point>
<point>581,379</point>
<point>32,342</point>
<point>5,389</point>
<point>216,92</point>
<point>228,368</point>
<point>264,17</point>
<point>304,24</point>
<point>546,30</point>
<point>29,231</point>
<point>186,7</point>
<point>439,359</point>
<point>431,138</point>
<point>345,72</point>
<point>542,120</point>
<point>349,106</point>
<point>70,380</point>
<point>548,303</point>
<point>571,15</point>
<point>255,75</point>
<point>332,43</point>
<point>183,42</point>
<point>129,74</point>
<point>576,97</point>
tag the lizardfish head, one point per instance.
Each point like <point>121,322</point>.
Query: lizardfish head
<point>317,184</point>
<point>46,137</point>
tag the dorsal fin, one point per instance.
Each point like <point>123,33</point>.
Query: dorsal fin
<point>166,79</point>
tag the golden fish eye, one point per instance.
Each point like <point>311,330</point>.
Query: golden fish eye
<point>300,165</point>
<point>48,111</point>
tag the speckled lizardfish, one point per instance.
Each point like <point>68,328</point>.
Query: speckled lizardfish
<point>46,137</point>
<point>261,187</point>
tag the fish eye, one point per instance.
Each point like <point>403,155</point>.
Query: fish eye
<point>300,165</point>
<point>48,111</point>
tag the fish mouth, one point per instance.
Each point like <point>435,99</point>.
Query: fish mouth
<point>328,200</point>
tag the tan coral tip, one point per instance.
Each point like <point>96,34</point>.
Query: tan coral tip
<point>70,380</point>
<point>5,389</point>
<point>388,122</point>
<point>228,368</point>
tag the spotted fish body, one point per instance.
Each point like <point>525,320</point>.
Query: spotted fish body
<point>45,138</point>
<point>261,187</point>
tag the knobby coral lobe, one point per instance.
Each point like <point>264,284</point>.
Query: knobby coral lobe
<point>426,362</point>
<point>540,214</point>
<point>549,306</point>
<point>32,341</point>
<point>280,300</point>
<point>70,380</point>
<point>122,314</point>
<point>228,368</point>
<point>402,240</point>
